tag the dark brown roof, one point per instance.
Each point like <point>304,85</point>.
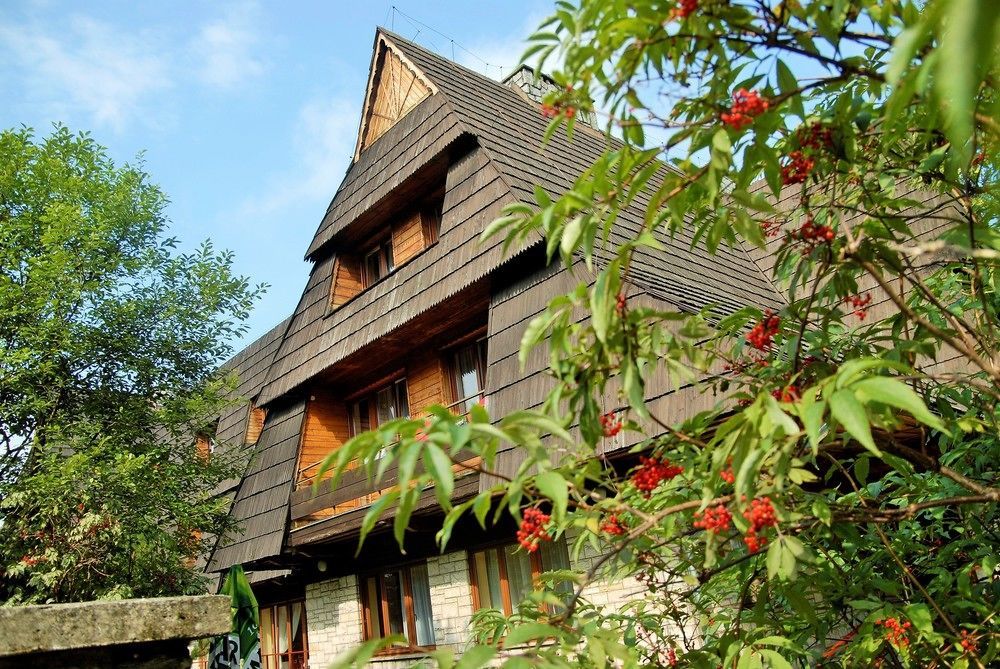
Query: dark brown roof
<point>511,128</point>
<point>250,366</point>
<point>261,505</point>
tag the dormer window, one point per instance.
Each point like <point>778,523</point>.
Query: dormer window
<point>384,248</point>
<point>378,263</point>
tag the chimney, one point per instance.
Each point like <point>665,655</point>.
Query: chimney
<point>535,88</point>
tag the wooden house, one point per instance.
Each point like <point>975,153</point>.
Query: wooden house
<point>405,307</point>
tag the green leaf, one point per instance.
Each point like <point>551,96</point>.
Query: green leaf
<point>554,486</point>
<point>967,49</point>
<point>850,413</point>
<point>903,49</point>
<point>895,393</point>
<point>438,465</point>
<point>775,659</point>
<point>373,514</point>
<point>920,616</point>
<point>475,657</point>
<point>821,510</point>
<point>529,631</point>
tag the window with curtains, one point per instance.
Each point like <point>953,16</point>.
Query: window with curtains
<point>468,368</point>
<point>503,576</point>
<point>397,601</point>
<point>385,404</point>
<point>283,642</point>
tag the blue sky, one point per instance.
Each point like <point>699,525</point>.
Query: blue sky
<point>246,111</point>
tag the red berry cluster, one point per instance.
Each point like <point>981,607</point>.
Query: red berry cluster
<point>746,105</point>
<point>771,228</point>
<point>714,519</point>
<point>895,631</point>
<point>760,516</point>
<point>671,658</point>
<point>798,168</point>
<point>728,475</point>
<point>653,471</point>
<point>969,643</point>
<point>613,526</point>
<point>762,333</point>
<point>860,304</point>
<point>812,235</point>
<point>815,136</point>
<point>684,9</point>
<point>789,393</point>
<point>620,303</point>
<point>611,424</point>
<point>553,110</point>
<point>532,529</point>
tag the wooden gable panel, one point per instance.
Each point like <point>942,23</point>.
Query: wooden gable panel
<point>407,239</point>
<point>326,429</point>
<point>396,90</point>
<point>347,280</point>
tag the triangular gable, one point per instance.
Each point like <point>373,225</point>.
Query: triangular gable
<point>395,86</point>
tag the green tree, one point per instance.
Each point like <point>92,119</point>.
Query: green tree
<point>109,338</point>
<point>838,506</point>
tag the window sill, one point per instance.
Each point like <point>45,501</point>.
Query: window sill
<point>402,654</point>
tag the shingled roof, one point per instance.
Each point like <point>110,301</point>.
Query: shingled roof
<point>488,139</point>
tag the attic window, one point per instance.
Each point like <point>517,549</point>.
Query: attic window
<point>401,239</point>
<point>255,424</point>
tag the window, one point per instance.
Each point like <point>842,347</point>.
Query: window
<point>398,601</point>
<point>503,576</point>
<point>468,365</point>
<point>390,402</point>
<point>378,262</point>
<point>283,643</point>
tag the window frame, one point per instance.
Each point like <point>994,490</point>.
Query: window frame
<point>303,625</point>
<point>535,559</point>
<point>382,248</point>
<point>480,341</point>
<point>370,398</point>
<point>409,613</point>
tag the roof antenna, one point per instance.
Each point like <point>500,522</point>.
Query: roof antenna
<point>453,50</point>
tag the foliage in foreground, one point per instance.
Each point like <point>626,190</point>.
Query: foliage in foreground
<point>838,506</point>
<point>108,341</point>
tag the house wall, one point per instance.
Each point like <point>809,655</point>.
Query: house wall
<point>333,610</point>
<point>333,607</point>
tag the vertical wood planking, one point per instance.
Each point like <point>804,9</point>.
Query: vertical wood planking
<point>346,280</point>
<point>326,429</point>
<point>407,239</point>
<point>425,382</point>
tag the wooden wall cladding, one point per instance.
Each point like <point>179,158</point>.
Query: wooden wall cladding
<point>397,91</point>
<point>407,238</point>
<point>346,280</point>
<point>255,424</point>
<point>326,428</point>
<point>426,382</point>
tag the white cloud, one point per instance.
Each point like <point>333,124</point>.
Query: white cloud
<point>107,74</point>
<point>225,49</point>
<point>323,143</point>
